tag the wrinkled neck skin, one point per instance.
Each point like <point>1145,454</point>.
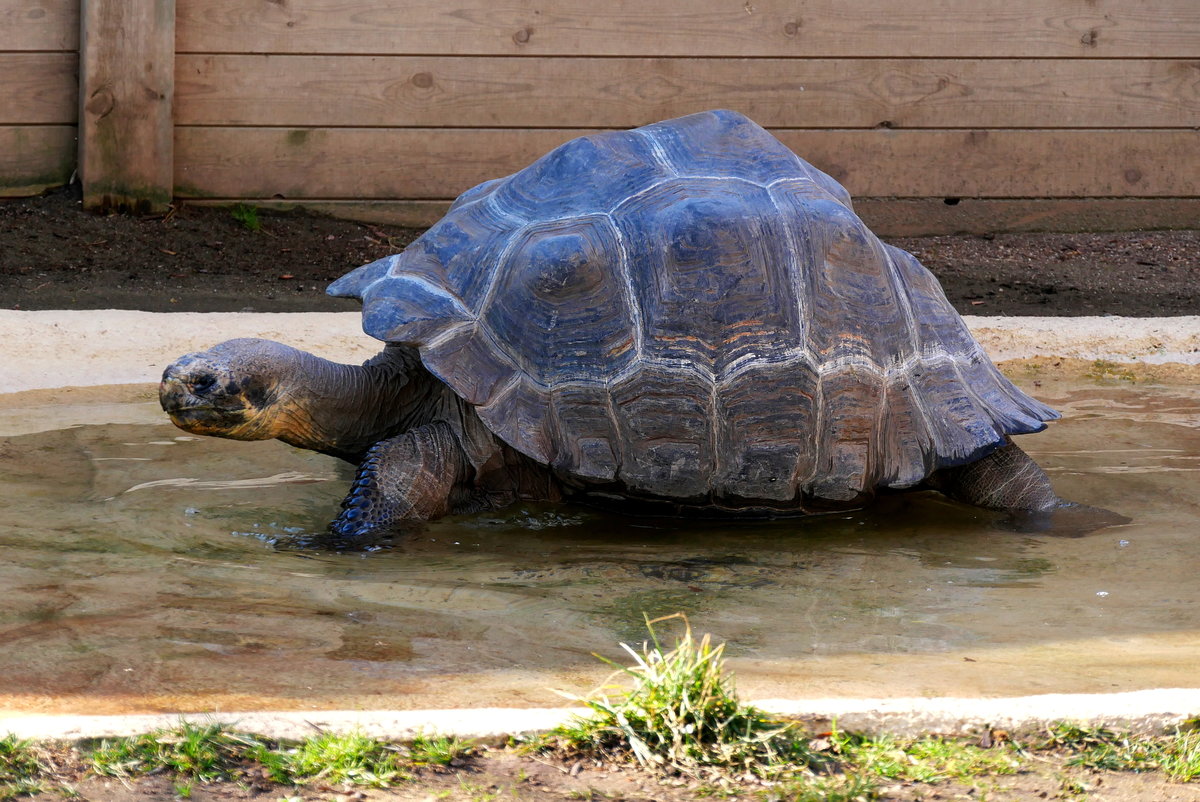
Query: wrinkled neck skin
<point>342,410</point>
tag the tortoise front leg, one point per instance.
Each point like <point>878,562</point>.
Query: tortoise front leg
<point>416,476</point>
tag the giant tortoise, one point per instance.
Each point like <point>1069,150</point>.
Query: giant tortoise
<point>684,318</point>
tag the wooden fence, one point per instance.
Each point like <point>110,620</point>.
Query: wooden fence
<point>1033,113</point>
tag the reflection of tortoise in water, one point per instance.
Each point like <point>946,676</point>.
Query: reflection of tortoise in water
<point>685,313</point>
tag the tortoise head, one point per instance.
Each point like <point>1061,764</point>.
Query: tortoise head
<point>236,389</point>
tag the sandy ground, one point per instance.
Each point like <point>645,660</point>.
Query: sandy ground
<point>50,349</point>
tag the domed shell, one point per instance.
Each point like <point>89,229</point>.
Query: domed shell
<point>693,311</point>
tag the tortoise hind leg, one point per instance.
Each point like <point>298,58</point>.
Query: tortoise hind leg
<point>1006,479</point>
<point>1009,480</point>
<point>416,476</point>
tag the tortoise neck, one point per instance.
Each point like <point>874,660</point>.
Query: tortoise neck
<point>342,410</point>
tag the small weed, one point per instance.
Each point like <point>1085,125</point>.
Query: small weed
<point>478,793</point>
<point>247,216</point>
<point>428,750</point>
<point>842,788</point>
<point>1100,749</point>
<point>331,758</point>
<point>1103,369</point>
<point>199,752</point>
<point>20,768</point>
<point>680,714</point>
<point>590,794</point>
<point>1180,758</point>
<point>18,788</point>
<point>926,760</point>
<point>1072,787</point>
<point>184,788</point>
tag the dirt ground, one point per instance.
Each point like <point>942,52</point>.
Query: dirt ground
<point>197,259</point>
<point>492,774</point>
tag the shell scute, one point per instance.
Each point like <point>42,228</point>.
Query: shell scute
<point>517,414</point>
<point>466,358</point>
<point>559,308</point>
<point>583,176</point>
<point>587,435</point>
<point>703,254</point>
<point>666,426</point>
<point>768,422</point>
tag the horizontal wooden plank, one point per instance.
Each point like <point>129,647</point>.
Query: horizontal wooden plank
<point>916,28</point>
<point>916,217</point>
<point>34,158</point>
<point>39,88</point>
<point>887,217</point>
<point>39,25</point>
<point>625,92</point>
<point>1007,164</point>
<point>415,164</point>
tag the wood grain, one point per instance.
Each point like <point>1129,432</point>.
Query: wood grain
<point>918,28</point>
<point>38,88</point>
<point>34,158</point>
<point>627,92</point>
<point>349,162</point>
<point>356,163</point>
<point>127,76</point>
<point>39,25</point>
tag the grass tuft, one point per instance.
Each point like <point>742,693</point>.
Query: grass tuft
<point>204,753</point>
<point>1180,759</point>
<point>437,750</point>
<point>20,768</point>
<point>680,713</point>
<point>1101,749</point>
<point>839,788</point>
<point>925,760</point>
<point>332,758</point>
<point>246,215</point>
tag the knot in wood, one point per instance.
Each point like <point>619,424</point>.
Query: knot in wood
<point>100,103</point>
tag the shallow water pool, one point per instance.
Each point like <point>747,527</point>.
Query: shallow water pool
<point>144,569</point>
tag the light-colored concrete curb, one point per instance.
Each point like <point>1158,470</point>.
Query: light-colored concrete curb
<point>50,349</point>
<point>1142,711</point>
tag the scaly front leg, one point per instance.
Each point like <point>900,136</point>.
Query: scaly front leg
<point>416,476</point>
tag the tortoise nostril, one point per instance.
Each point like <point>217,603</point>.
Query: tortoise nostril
<point>201,382</point>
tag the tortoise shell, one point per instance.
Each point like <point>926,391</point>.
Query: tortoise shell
<point>694,312</point>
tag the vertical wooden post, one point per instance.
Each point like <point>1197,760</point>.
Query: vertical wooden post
<point>126,94</point>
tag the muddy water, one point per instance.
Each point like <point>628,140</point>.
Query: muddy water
<point>142,569</point>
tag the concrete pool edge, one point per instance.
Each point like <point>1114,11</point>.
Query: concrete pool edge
<point>68,348</point>
<point>1154,710</point>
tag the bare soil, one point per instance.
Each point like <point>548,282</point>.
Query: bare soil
<point>53,255</point>
<point>502,774</point>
